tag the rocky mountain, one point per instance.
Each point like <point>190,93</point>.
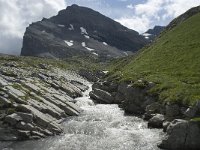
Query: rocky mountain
<point>78,31</point>
<point>151,34</point>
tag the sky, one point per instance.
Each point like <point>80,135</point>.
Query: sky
<point>139,15</point>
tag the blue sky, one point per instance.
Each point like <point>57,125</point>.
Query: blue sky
<point>139,15</point>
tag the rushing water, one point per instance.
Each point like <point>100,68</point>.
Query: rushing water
<point>99,127</point>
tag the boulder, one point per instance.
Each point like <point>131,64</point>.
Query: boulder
<point>101,96</point>
<point>156,121</point>
<point>182,134</point>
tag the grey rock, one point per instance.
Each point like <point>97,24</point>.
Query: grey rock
<point>17,92</point>
<point>25,126</point>
<point>182,134</point>
<point>156,121</point>
<point>8,134</point>
<point>23,134</point>
<point>26,117</point>
<point>172,111</point>
<point>5,102</point>
<point>13,119</point>
<point>193,111</point>
<point>102,96</point>
<point>35,133</point>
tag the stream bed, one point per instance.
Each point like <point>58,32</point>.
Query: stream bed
<point>99,127</point>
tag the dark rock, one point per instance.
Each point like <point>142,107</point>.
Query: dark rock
<point>156,121</point>
<point>49,37</point>
<point>8,134</point>
<point>172,111</point>
<point>88,75</point>
<point>102,96</point>
<point>13,119</point>
<point>193,111</point>
<point>28,118</point>
<point>183,135</point>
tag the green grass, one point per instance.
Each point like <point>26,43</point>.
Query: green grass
<point>74,63</point>
<point>172,62</point>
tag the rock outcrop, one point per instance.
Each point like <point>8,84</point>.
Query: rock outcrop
<point>80,31</point>
<point>182,134</point>
<point>35,100</point>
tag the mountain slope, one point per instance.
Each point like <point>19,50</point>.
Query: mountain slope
<point>172,62</point>
<point>80,31</point>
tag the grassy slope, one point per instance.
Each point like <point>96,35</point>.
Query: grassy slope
<point>173,62</point>
<point>74,63</point>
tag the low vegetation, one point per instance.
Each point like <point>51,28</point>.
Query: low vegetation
<point>172,62</point>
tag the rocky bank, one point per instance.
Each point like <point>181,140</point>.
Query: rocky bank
<point>182,130</point>
<point>35,100</point>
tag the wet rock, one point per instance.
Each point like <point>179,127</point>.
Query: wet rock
<point>156,121</point>
<point>102,96</point>
<point>182,134</point>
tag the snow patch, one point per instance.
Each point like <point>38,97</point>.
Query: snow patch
<point>105,72</point>
<point>89,49</point>
<point>146,35</point>
<point>86,36</point>
<point>83,44</point>
<point>126,53</point>
<point>95,54</point>
<point>71,27</point>
<point>104,43</point>
<point>83,30</point>
<point>69,43</point>
<point>61,25</point>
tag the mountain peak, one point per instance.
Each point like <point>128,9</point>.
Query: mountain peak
<point>80,31</point>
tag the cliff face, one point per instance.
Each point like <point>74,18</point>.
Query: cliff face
<point>80,31</point>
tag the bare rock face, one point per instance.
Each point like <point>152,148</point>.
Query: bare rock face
<point>80,31</point>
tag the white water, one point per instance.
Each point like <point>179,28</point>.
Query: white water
<point>99,127</point>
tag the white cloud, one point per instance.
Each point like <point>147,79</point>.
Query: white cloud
<point>147,14</point>
<point>130,6</point>
<point>15,15</point>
